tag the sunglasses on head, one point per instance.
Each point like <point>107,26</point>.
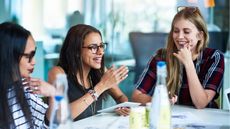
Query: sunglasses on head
<point>191,9</point>
<point>30,55</point>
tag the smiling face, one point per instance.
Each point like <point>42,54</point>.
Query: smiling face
<point>90,59</point>
<point>185,33</point>
<point>26,67</point>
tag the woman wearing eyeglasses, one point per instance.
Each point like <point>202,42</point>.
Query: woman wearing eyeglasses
<point>195,72</point>
<point>20,107</point>
<point>82,60</point>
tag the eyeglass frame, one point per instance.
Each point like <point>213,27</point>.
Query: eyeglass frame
<point>189,8</point>
<point>30,55</point>
<point>94,47</point>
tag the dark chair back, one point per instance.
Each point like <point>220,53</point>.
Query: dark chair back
<point>145,45</point>
<point>218,40</point>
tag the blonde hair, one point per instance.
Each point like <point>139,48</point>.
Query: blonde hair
<point>174,67</point>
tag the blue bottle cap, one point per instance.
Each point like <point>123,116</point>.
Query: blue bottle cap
<point>161,63</point>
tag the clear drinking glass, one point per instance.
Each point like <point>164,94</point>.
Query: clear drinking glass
<point>60,116</point>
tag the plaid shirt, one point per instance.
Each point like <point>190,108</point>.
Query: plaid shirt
<point>209,68</point>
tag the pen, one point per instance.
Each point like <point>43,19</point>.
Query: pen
<point>196,126</point>
<point>179,116</point>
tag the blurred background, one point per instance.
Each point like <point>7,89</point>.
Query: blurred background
<point>123,24</point>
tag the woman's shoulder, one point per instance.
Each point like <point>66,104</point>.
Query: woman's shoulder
<point>210,52</point>
<point>161,54</point>
<point>53,72</point>
<point>57,69</point>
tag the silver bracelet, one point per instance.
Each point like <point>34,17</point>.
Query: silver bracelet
<point>93,94</point>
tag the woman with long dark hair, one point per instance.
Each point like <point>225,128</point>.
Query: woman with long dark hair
<point>20,107</point>
<point>82,60</point>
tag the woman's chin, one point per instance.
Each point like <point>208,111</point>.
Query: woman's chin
<point>25,75</point>
<point>97,66</point>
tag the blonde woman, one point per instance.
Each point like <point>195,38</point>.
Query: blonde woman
<point>195,72</point>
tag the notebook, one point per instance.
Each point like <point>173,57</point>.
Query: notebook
<point>125,104</point>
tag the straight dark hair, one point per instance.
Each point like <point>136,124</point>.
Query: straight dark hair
<point>70,55</point>
<point>13,39</point>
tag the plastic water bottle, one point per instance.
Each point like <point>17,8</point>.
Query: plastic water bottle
<point>160,111</point>
<point>60,116</point>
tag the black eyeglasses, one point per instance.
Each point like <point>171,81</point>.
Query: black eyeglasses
<point>94,48</point>
<point>191,9</point>
<point>30,56</point>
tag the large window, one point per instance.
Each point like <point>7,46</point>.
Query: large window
<point>116,18</point>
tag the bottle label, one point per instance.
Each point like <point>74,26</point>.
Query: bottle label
<point>138,118</point>
<point>165,118</point>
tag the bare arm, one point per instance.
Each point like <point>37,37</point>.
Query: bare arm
<point>118,95</point>
<point>111,78</point>
<point>81,104</point>
<point>140,97</point>
<point>199,95</point>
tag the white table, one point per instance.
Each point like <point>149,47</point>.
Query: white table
<point>195,119</point>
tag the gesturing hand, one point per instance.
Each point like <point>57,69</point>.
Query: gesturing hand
<point>114,76</point>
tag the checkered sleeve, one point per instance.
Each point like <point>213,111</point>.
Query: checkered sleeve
<point>213,70</point>
<point>147,81</point>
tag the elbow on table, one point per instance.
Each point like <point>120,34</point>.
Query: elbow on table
<point>135,97</point>
<point>200,106</point>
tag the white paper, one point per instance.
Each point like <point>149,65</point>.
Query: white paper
<point>185,117</point>
<point>125,104</point>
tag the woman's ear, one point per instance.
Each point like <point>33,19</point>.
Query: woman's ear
<point>200,35</point>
